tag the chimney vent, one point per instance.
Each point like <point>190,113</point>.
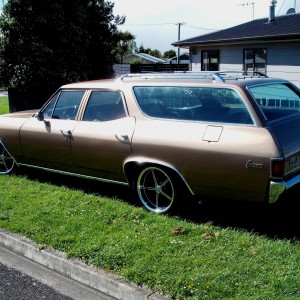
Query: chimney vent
<point>272,11</point>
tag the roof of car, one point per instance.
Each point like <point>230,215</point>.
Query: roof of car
<point>220,77</point>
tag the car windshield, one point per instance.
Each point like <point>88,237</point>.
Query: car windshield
<point>276,100</point>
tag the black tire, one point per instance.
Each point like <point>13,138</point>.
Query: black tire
<point>6,161</point>
<point>156,189</point>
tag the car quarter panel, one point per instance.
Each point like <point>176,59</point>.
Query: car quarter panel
<point>216,160</point>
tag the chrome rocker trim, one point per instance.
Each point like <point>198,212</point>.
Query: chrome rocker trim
<point>76,175</point>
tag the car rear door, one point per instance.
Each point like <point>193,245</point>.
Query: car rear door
<point>102,140</point>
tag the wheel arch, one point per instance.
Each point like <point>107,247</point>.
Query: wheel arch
<point>133,165</point>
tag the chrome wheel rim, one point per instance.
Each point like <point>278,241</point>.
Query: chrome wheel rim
<point>6,161</point>
<point>155,190</point>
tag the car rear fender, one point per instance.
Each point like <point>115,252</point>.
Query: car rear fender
<point>133,164</point>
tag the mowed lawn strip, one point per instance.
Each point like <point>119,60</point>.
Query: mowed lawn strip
<point>4,105</point>
<point>178,258</point>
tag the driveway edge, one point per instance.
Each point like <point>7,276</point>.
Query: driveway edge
<point>98,279</point>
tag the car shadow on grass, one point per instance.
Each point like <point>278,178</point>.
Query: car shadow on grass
<point>77,183</point>
<point>280,220</point>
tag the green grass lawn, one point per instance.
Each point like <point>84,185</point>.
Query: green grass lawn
<point>4,105</point>
<point>214,251</point>
<point>183,258</point>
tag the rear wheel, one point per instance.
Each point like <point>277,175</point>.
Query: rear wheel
<point>156,189</point>
<point>6,161</point>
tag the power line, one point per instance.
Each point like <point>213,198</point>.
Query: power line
<point>201,28</point>
<point>160,24</point>
<point>156,24</point>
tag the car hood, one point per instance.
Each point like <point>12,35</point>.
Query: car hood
<point>21,114</point>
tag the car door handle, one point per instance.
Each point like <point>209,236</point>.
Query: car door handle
<point>67,134</point>
<point>123,138</point>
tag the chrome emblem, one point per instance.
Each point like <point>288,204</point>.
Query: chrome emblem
<point>251,164</point>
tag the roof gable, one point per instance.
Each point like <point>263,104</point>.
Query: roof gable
<point>282,27</point>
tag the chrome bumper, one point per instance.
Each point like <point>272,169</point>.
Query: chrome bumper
<point>277,188</point>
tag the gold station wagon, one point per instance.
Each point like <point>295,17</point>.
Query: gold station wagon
<point>213,135</point>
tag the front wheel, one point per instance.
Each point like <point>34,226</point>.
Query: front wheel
<point>6,161</point>
<point>156,189</point>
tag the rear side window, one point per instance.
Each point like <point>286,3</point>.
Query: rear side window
<point>276,100</point>
<point>104,106</point>
<point>221,105</point>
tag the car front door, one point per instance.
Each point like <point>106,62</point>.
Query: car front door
<point>46,141</point>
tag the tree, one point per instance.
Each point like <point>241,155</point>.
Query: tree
<point>125,46</point>
<point>155,53</point>
<point>48,43</point>
<point>141,49</point>
<point>169,54</point>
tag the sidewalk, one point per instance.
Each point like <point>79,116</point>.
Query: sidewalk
<point>3,93</point>
<point>100,280</point>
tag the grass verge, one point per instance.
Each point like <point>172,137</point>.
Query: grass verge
<point>4,105</point>
<point>180,258</point>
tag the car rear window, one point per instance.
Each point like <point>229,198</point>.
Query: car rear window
<point>276,100</point>
<point>207,104</point>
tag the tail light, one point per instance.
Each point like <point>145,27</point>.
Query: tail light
<point>277,168</point>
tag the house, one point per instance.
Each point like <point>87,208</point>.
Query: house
<point>143,58</point>
<point>184,58</point>
<point>270,46</point>
<point>142,62</point>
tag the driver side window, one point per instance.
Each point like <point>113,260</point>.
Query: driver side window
<point>64,106</point>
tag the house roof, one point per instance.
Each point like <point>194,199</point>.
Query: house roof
<point>147,57</point>
<point>283,27</point>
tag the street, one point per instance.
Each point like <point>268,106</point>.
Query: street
<point>23,279</point>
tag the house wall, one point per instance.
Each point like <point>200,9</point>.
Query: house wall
<point>284,62</point>
<point>283,59</point>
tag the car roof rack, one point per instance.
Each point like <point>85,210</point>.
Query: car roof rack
<point>219,76</point>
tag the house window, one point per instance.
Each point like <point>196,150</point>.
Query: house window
<point>210,60</point>
<point>255,60</point>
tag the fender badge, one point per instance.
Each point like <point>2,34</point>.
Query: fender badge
<point>253,165</point>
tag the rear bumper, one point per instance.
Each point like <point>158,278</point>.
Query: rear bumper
<point>277,188</point>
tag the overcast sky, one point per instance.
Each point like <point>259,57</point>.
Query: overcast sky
<point>154,22</point>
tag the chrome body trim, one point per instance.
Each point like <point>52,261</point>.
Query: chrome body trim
<point>76,175</point>
<point>292,182</point>
<point>277,188</point>
<point>146,160</point>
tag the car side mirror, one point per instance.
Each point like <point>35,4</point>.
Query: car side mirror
<point>40,116</point>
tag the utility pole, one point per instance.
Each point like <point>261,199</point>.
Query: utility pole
<point>178,50</point>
